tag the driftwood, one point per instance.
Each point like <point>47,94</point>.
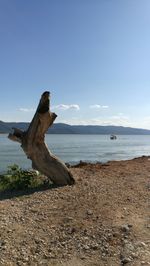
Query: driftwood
<point>32,142</point>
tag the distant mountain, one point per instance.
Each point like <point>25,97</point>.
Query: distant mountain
<point>6,127</point>
<point>60,128</point>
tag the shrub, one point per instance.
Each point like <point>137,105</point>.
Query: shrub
<point>18,179</point>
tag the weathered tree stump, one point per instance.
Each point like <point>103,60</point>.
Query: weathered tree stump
<point>32,142</point>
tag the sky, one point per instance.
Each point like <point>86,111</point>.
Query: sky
<point>92,55</point>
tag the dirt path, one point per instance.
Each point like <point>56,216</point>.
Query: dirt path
<point>103,220</point>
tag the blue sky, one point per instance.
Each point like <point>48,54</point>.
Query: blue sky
<point>92,55</point>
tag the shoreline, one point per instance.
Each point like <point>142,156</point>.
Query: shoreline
<point>85,163</point>
<point>81,163</point>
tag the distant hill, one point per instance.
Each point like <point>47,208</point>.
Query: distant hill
<point>60,128</point>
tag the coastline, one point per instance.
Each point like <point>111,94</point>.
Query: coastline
<point>83,163</point>
<point>102,220</point>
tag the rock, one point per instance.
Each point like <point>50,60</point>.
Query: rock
<point>129,246</point>
<point>25,259</point>
<point>125,241</point>
<point>141,244</point>
<point>125,260</point>
<point>134,255</point>
<point>68,219</point>
<point>94,246</point>
<point>82,257</point>
<point>2,243</point>
<point>86,247</point>
<point>89,212</point>
<point>148,226</point>
<point>125,228</point>
<point>130,225</point>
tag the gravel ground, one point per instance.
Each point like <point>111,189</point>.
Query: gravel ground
<point>104,219</point>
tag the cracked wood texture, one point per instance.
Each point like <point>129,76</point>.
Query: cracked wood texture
<point>33,144</point>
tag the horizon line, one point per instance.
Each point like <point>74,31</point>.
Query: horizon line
<point>81,124</point>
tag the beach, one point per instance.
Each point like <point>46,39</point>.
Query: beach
<point>104,219</point>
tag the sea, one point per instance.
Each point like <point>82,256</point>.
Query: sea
<point>72,148</point>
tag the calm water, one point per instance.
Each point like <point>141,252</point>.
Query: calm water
<point>72,148</point>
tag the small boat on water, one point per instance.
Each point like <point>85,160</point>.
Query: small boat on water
<point>113,137</point>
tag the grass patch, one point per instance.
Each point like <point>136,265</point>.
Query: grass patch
<point>18,179</point>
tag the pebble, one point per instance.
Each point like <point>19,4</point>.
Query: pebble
<point>89,212</point>
<point>86,247</point>
<point>125,260</point>
<point>82,257</point>
<point>134,255</point>
<point>145,263</point>
<point>125,228</point>
<point>148,226</point>
<point>129,246</point>
<point>2,243</point>
<point>95,246</point>
<point>142,244</point>
<point>125,241</point>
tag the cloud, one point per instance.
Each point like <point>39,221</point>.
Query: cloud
<point>97,106</point>
<point>105,106</point>
<point>26,110</point>
<point>67,107</point>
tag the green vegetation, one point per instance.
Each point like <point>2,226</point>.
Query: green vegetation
<point>18,179</point>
